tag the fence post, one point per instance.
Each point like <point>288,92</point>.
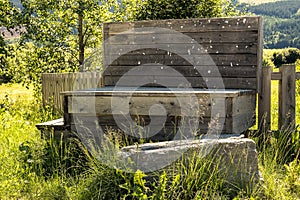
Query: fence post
<point>264,99</point>
<point>286,102</point>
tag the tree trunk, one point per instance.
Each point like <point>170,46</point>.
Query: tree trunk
<point>81,41</point>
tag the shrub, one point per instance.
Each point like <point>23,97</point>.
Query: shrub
<point>179,9</point>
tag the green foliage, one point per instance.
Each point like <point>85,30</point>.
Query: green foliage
<point>137,190</point>
<point>286,56</point>
<point>59,36</point>
<point>278,57</point>
<point>281,9</point>
<point>279,164</point>
<point>170,9</point>
<point>281,23</point>
<point>281,33</point>
<point>292,178</point>
<point>7,23</point>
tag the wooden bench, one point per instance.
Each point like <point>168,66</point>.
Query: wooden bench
<point>213,64</point>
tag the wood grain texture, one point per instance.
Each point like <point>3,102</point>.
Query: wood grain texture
<point>264,100</point>
<point>55,83</point>
<point>174,106</point>
<point>287,99</point>
<point>232,46</point>
<point>171,81</point>
<point>189,25</point>
<point>139,124</point>
<point>235,111</point>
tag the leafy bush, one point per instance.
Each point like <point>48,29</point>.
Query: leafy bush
<point>286,56</point>
<point>170,9</point>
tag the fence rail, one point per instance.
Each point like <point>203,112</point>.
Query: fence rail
<point>287,77</point>
<point>55,83</point>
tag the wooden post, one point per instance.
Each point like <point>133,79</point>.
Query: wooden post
<point>287,86</point>
<point>264,99</point>
<point>44,96</point>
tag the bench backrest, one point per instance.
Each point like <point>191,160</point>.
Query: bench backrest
<point>226,48</point>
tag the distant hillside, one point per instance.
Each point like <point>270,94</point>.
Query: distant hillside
<point>16,3</point>
<point>257,1</point>
<point>281,23</point>
<point>279,9</point>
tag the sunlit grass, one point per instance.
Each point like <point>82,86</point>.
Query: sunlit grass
<point>16,91</point>
<point>32,170</point>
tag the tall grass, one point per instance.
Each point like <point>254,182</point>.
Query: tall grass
<point>33,168</point>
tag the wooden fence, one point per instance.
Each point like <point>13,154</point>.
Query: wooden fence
<point>287,77</point>
<point>55,83</point>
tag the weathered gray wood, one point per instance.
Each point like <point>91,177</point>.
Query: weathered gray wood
<point>259,53</point>
<point>184,49</point>
<point>225,70</point>
<point>200,37</point>
<point>163,57</point>
<point>139,105</point>
<point>237,109</point>
<point>232,82</point>
<point>264,100</point>
<point>166,128</point>
<point>277,76</point>
<point>232,44</point>
<point>55,83</point>
<point>287,87</point>
<point>53,123</point>
<point>175,60</point>
<point>190,25</point>
<point>157,91</point>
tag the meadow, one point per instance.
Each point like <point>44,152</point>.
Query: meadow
<point>35,168</point>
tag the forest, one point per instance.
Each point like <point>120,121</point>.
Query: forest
<point>281,23</point>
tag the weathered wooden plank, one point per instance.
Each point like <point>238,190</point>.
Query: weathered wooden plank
<point>172,107</point>
<point>190,25</point>
<point>259,54</point>
<point>242,122</point>
<point>53,123</point>
<point>277,75</point>
<point>187,49</point>
<point>207,71</point>
<point>151,37</point>
<point>171,104</point>
<point>242,105</point>
<point>287,86</point>
<point>169,125</point>
<point>213,82</point>
<point>55,83</point>
<point>158,92</point>
<point>172,59</point>
<point>264,100</point>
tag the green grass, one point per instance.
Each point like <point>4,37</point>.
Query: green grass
<point>33,168</point>
<point>16,91</point>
